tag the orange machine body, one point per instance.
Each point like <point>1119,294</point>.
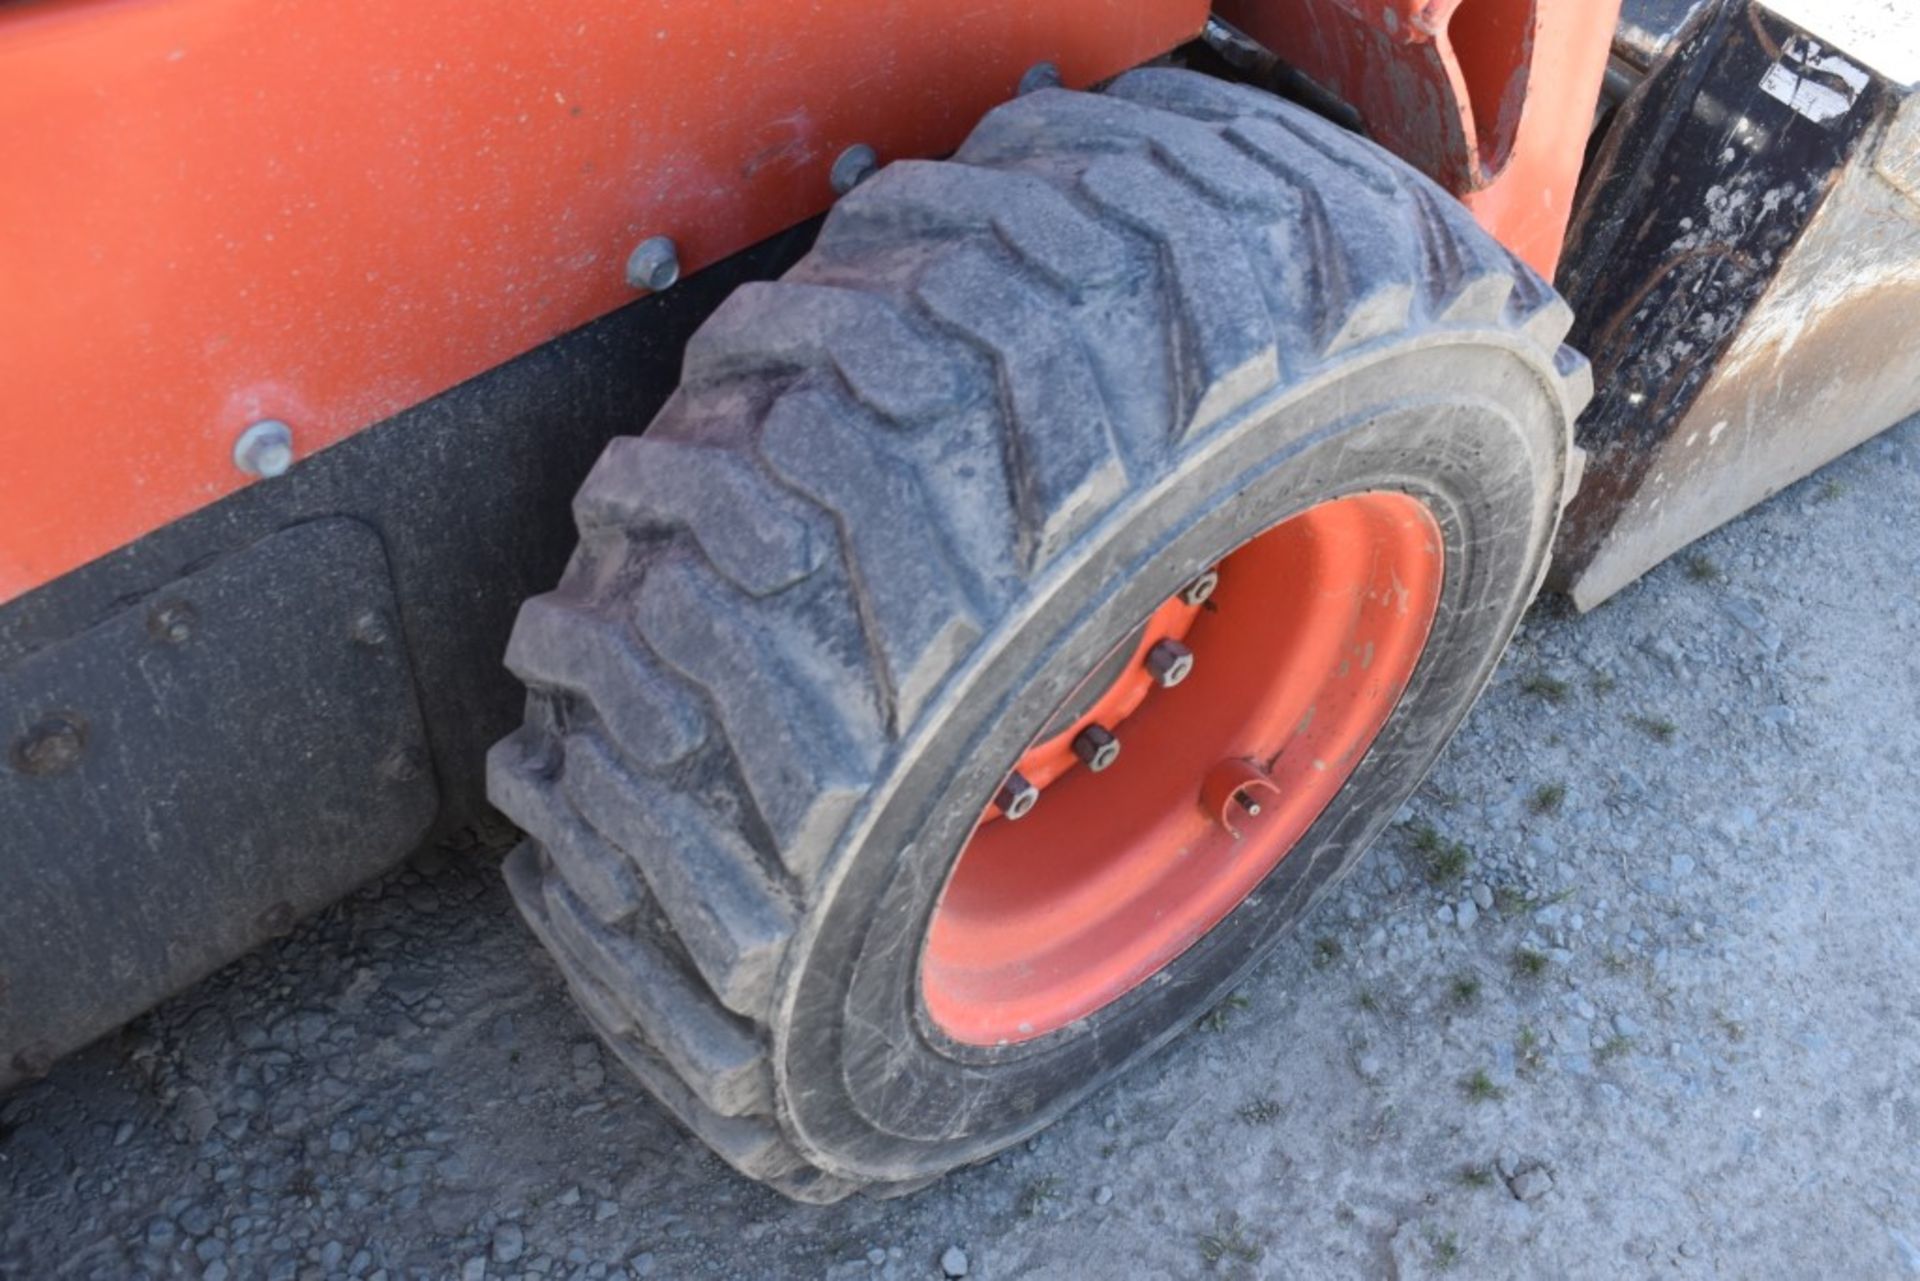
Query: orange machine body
<point>221,211</point>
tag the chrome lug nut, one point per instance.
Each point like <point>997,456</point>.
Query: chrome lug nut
<point>1096,747</point>
<point>1017,796</point>
<point>1197,591</point>
<point>1169,662</point>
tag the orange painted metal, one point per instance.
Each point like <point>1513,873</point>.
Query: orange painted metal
<point>1054,756</point>
<point>1529,202</point>
<point>215,211</point>
<point>1299,659</point>
<point>1494,99</point>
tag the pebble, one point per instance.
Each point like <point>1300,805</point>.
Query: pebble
<point>1531,1183</point>
<point>1370,1067</point>
<point>1483,897</point>
<point>1445,914</point>
<point>877,1257</point>
<point>474,1269</point>
<point>1467,914</point>
<point>954,1263</point>
<point>509,1242</point>
<point>1102,1194</point>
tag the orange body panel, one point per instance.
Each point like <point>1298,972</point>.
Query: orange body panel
<point>217,211</point>
<point>1528,203</point>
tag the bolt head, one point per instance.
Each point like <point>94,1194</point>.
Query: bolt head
<point>1017,796</point>
<point>370,628</point>
<point>1096,747</point>
<point>1200,589</point>
<point>51,745</point>
<point>172,622</point>
<point>264,449</point>
<point>404,764</point>
<point>1041,75</point>
<point>1169,662</point>
<point>654,264</point>
<point>853,166</point>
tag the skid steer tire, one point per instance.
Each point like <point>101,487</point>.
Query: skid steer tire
<point>903,497</point>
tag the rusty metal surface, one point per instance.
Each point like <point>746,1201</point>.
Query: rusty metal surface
<point>1747,271</point>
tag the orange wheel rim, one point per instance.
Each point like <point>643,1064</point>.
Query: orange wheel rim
<point>1299,657</point>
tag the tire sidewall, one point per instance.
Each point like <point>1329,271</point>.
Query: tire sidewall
<point>1470,425</point>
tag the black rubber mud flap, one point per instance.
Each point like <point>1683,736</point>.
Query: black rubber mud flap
<point>194,773</point>
<point>1006,406</point>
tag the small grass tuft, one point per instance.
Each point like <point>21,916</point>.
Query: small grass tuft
<point>1446,1250</point>
<point>1036,1195</point>
<point>1228,1242</point>
<point>1481,1088</point>
<point>1326,952</point>
<point>1529,1049</point>
<point>1464,990</point>
<point>1658,728</point>
<point>1548,798</point>
<point>1604,683</point>
<point>1615,1047</point>
<point>1442,861</point>
<point>1261,1111</point>
<point>1512,902</point>
<point>1829,490</point>
<point>1541,685</point>
<point>1220,1017</point>
<point>1702,568</point>
<point>1367,1001</point>
<point>1529,964</point>
<point>1477,1176</point>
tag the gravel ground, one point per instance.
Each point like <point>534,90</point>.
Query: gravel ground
<point>1631,990</point>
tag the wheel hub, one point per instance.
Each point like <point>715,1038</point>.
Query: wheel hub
<point>1149,808</point>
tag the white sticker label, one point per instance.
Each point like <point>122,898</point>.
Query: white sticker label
<point>1815,83</point>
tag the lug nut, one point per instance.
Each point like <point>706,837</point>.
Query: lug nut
<point>1169,662</point>
<point>1017,796</point>
<point>1096,747</point>
<point>654,264</point>
<point>1197,591</point>
<point>264,449</point>
<point>854,166</point>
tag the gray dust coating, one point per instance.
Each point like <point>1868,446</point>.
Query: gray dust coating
<point>1633,989</point>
